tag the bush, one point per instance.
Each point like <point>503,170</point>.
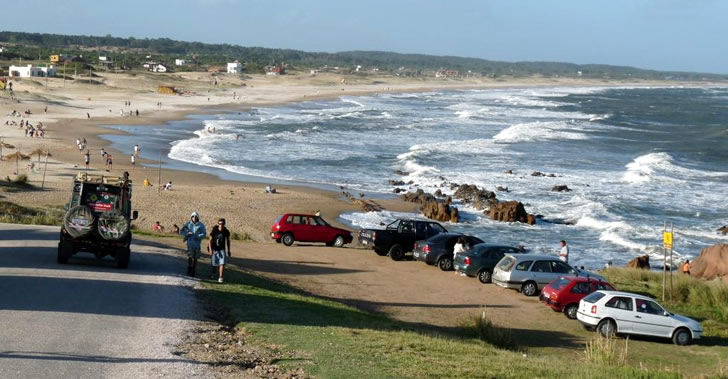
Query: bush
<point>20,179</point>
<point>241,237</point>
<point>486,331</point>
<point>602,351</point>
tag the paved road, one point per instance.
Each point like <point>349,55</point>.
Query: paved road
<point>89,319</point>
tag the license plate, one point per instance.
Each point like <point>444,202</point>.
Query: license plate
<point>365,242</point>
<point>417,255</point>
<point>80,221</point>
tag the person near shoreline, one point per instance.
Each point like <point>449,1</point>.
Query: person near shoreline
<point>136,150</point>
<point>219,241</point>
<point>87,159</point>
<point>686,267</point>
<point>103,153</point>
<point>146,182</point>
<point>109,162</point>
<point>564,252</point>
<point>193,232</point>
<point>133,161</point>
<point>168,186</point>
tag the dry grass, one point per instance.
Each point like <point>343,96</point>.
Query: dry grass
<point>602,351</point>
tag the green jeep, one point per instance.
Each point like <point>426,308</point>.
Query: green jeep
<point>98,218</point>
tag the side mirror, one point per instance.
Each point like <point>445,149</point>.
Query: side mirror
<point>666,314</point>
<point>134,215</point>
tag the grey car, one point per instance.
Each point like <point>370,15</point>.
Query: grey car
<point>529,273</point>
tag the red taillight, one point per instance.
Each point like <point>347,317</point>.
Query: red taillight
<point>467,261</point>
<point>594,309</point>
<point>374,236</point>
<point>426,249</point>
<point>415,245</point>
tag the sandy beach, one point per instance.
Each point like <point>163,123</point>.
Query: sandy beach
<point>79,109</point>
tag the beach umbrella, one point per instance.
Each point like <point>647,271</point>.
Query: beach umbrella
<point>5,145</point>
<point>18,157</point>
<point>40,151</point>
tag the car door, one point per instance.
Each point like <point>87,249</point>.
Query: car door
<point>649,318</point>
<point>621,309</point>
<point>320,231</point>
<point>301,228</point>
<point>541,273</point>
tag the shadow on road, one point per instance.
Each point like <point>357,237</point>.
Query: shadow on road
<point>85,358</point>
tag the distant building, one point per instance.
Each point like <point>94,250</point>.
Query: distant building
<point>180,62</point>
<point>275,70</point>
<point>158,68</point>
<point>58,58</point>
<point>103,58</point>
<point>358,68</point>
<point>234,68</point>
<point>29,71</point>
<point>447,73</point>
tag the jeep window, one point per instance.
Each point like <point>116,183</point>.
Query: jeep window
<point>560,283</point>
<point>541,266</point>
<point>394,225</point>
<point>620,302</point>
<point>594,297</point>
<point>506,264</point>
<point>523,266</point>
<point>561,267</point>
<point>406,227</point>
<point>646,306</point>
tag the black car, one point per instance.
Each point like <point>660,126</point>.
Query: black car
<point>481,260</point>
<point>399,237</point>
<point>438,249</point>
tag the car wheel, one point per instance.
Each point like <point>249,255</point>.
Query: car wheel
<point>485,276</point>
<point>396,252</point>
<point>339,241</point>
<point>122,258</point>
<point>65,250</point>
<point>570,311</point>
<point>607,328</point>
<point>445,263</point>
<point>381,253</point>
<point>529,288</point>
<point>287,239</point>
<point>682,337</point>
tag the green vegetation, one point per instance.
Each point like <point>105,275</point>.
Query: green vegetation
<point>605,351</point>
<point>332,340</point>
<point>132,52</point>
<point>16,214</point>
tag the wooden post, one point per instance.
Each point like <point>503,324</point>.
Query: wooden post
<point>45,168</point>
<point>672,231</point>
<point>159,175</point>
<point>664,262</point>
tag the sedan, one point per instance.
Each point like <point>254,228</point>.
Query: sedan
<point>438,249</point>
<point>481,260</point>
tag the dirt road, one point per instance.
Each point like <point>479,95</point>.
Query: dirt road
<point>89,319</point>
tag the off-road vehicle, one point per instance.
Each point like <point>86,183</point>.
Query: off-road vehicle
<point>97,218</point>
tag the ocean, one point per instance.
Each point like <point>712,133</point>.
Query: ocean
<point>634,159</point>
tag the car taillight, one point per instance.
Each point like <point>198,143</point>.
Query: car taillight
<point>415,245</point>
<point>426,249</point>
<point>374,236</point>
<point>467,261</point>
<point>594,309</point>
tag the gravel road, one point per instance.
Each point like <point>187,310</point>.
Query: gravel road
<point>89,319</point>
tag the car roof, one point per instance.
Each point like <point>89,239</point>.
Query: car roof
<point>630,294</point>
<point>494,245</point>
<point>523,257</point>
<point>299,214</point>
<point>585,278</point>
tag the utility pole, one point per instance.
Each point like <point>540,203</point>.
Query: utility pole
<point>664,261</point>
<point>672,232</point>
<point>64,73</point>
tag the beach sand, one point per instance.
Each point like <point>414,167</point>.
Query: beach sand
<point>248,210</point>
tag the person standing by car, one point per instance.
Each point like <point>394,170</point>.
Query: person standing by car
<point>193,232</point>
<point>219,240</point>
<point>564,252</point>
<point>461,247</point>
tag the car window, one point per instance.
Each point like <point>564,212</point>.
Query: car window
<point>541,266</point>
<point>301,220</point>
<point>561,267</point>
<point>581,288</point>
<point>506,263</point>
<point>594,297</point>
<point>602,286</point>
<point>496,254</point>
<point>394,225</point>
<point>523,266</point>
<point>437,228</point>
<point>560,283</point>
<point>406,227</point>
<point>511,250</point>
<point>318,221</point>
<point>474,240</point>
<point>430,230</point>
<point>620,302</point>
<point>646,306</point>
<point>289,219</point>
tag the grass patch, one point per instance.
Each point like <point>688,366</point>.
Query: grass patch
<point>329,339</point>
<point>244,236</point>
<point>16,214</point>
<point>605,351</point>
<point>486,331</point>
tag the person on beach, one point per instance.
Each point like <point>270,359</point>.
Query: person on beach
<point>87,158</point>
<point>136,150</point>
<point>193,232</point>
<point>109,162</point>
<point>158,227</point>
<point>133,162</point>
<point>175,229</point>
<point>137,112</point>
<point>146,182</point>
<point>564,252</point>
<point>219,240</point>
<point>686,267</point>
<point>103,153</point>
<point>461,247</point>
<point>168,186</point>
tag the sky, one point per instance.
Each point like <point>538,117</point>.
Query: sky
<point>670,35</point>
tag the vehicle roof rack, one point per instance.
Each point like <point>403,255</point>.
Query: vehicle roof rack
<point>100,179</point>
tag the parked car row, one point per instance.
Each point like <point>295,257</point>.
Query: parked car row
<point>579,294</point>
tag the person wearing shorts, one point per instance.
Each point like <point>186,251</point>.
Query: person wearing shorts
<point>219,244</point>
<point>193,232</point>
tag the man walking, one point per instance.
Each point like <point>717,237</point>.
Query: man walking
<point>87,159</point>
<point>219,240</point>
<point>193,231</point>
<point>564,253</point>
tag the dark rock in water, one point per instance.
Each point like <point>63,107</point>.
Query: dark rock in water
<point>510,172</point>
<point>530,219</point>
<point>537,173</point>
<point>551,175</point>
<point>470,193</point>
<point>448,200</point>
<point>411,182</point>
<point>453,186</point>
<point>454,215</point>
<point>508,211</point>
<point>438,192</point>
<point>400,172</point>
<point>398,190</point>
<point>502,189</point>
<point>396,182</point>
<point>560,188</point>
<point>432,207</point>
<point>723,229</point>
<point>442,178</point>
<point>642,262</point>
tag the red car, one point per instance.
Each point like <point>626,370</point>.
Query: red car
<point>564,293</point>
<point>290,227</point>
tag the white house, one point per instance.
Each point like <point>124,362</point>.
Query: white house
<point>180,62</point>
<point>234,68</point>
<point>102,58</point>
<point>159,68</point>
<point>30,71</point>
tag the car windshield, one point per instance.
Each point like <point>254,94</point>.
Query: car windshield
<point>594,297</point>
<point>278,219</point>
<point>506,264</point>
<point>438,228</point>
<point>393,225</point>
<point>560,283</point>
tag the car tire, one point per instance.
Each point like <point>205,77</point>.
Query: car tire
<point>339,241</point>
<point>65,250</point>
<point>529,288</point>
<point>287,239</point>
<point>570,311</point>
<point>122,258</point>
<point>485,276</point>
<point>396,252</point>
<point>381,253</point>
<point>445,263</point>
<point>682,337</point>
<point>607,328</point>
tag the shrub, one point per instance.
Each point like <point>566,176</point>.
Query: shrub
<point>21,179</point>
<point>240,236</point>
<point>602,351</point>
<point>486,331</point>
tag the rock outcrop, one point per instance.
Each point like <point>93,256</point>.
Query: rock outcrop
<point>560,188</point>
<point>723,229</point>
<point>396,182</point>
<point>712,263</point>
<point>510,211</point>
<point>470,193</point>
<point>642,262</point>
<point>432,207</point>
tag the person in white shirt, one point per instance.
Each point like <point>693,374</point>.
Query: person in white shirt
<point>564,253</point>
<point>461,247</point>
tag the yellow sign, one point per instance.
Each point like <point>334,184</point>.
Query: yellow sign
<point>667,239</point>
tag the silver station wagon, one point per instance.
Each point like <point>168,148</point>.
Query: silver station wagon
<point>529,273</point>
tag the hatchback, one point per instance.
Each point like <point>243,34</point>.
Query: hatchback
<point>612,312</point>
<point>438,249</point>
<point>529,273</point>
<point>564,294</point>
<point>292,227</point>
<point>481,260</point>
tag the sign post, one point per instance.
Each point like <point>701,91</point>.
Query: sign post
<point>667,244</point>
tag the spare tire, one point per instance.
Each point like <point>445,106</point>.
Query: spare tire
<point>113,225</point>
<point>79,221</point>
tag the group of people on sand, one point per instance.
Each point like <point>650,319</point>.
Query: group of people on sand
<point>218,247</point>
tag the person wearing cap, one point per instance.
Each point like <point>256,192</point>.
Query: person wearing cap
<point>193,232</point>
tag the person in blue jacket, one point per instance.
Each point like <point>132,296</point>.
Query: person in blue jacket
<point>193,232</point>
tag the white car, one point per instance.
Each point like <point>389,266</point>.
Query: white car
<point>611,312</point>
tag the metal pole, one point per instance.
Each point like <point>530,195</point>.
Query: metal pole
<point>672,231</point>
<point>42,184</point>
<point>64,73</point>
<point>664,262</point>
